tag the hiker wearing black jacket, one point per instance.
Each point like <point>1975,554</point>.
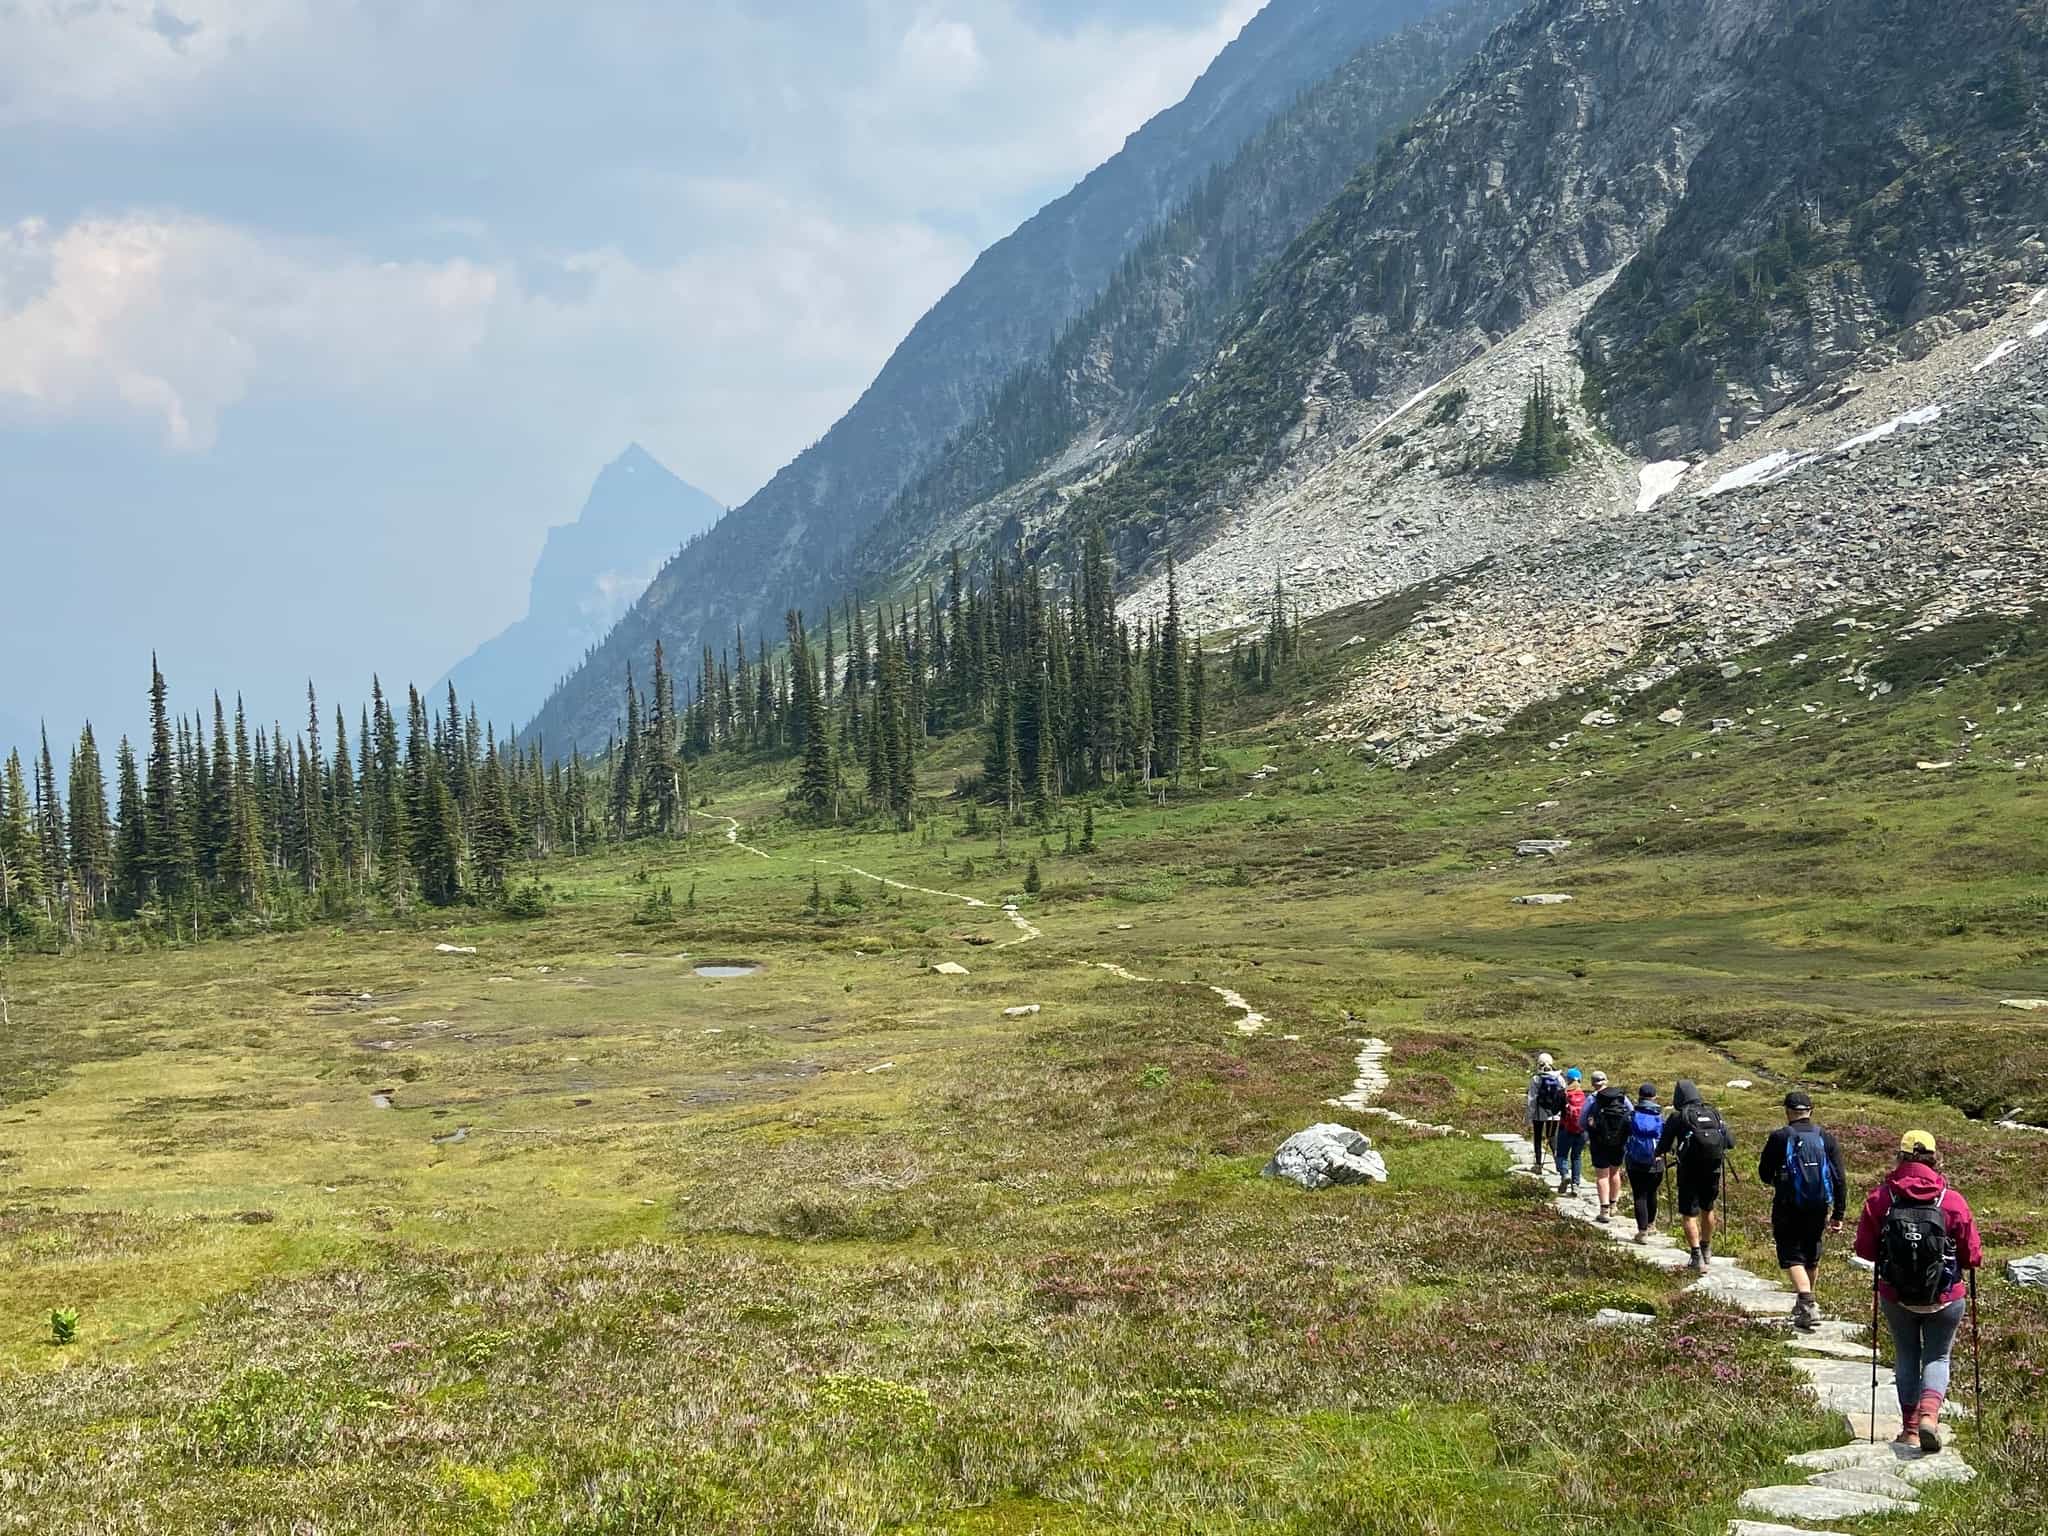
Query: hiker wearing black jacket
<point>1698,1142</point>
<point>1803,1163</point>
<point>1608,1114</point>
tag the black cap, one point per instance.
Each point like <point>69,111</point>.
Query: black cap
<point>1799,1098</point>
<point>1647,1091</point>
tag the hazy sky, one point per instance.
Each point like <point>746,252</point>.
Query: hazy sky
<point>315,314</point>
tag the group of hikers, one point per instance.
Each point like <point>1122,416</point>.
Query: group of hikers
<point>1916,1231</point>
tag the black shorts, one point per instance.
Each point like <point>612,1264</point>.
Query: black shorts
<point>1797,1233</point>
<point>1698,1189</point>
<point>1606,1155</point>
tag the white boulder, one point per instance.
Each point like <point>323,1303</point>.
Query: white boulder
<point>2028,1271</point>
<point>1324,1155</point>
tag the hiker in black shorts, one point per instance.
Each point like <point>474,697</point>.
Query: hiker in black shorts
<point>1695,1138</point>
<point>1803,1163</point>
<point>1608,1114</point>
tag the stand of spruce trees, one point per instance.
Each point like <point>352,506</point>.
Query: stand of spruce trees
<point>211,822</point>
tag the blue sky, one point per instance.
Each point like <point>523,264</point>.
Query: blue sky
<point>314,315</point>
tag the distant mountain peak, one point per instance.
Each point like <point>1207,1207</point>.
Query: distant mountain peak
<point>590,571</point>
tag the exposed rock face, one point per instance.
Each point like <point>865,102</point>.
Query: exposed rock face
<point>2028,1271</point>
<point>1890,196</point>
<point>1059,421</point>
<point>590,573</point>
<point>1324,1155</point>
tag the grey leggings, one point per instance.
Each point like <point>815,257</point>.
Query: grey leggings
<point>1923,1340</point>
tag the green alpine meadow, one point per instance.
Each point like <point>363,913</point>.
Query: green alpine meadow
<point>1024,768</point>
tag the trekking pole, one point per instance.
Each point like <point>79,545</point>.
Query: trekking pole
<point>1873,1354</point>
<point>1976,1357</point>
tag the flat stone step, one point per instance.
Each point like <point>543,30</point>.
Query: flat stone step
<point>1865,1480</point>
<point>1772,1528</point>
<point>1803,1501</point>
<point>1834,1349</point>
<point>1909,1464</point>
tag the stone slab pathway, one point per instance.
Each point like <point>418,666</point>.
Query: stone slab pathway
<point>1838,1485</point>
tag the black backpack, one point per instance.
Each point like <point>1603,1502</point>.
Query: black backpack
<point>1613,1115</point>
<point>1549,1095</point>
<point>1914,1251</point>
<point>1705,1139</point>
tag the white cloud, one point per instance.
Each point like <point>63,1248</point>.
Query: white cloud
<point>761,332</point>
<point>175,319</point>
<point>942,53</point>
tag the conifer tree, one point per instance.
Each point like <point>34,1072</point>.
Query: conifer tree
<point>22,885</point>
<point>436,840</point>
<point>167,858</point>
<point>663,788</point>
<point>1169,704</point>
<point>131,843</point>
<point>343,816</point>
<point>50,839</point>
<point>91,835</point>
<point>496,838</point>
<point>815,784</point>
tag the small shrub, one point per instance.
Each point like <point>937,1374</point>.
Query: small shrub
<point>528,901</point>
<point>63,1326</point>
<point>1449,406</point>
<point>497,1489</point>
<point>1032,882</point>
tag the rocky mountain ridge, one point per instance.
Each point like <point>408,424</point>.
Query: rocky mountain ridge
<point>777,548</point>
<point>1061,420</point>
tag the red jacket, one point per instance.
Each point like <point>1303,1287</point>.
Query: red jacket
<point>1924,1185</point>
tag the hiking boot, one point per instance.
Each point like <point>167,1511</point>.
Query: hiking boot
<point>1642,1234</point>
<point>1604,1218</point>
<point>1699,1261</point>
<point>1806,1314</point>
<point>1909,1430</point>
<point>1933,1436</point>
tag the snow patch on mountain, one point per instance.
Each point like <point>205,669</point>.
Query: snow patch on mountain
<point>1998,353</point>
<point>1768,470</point>
<point>1660,480</point>
<point>1914,418</point>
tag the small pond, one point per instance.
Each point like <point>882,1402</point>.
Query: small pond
<point>726,970</point>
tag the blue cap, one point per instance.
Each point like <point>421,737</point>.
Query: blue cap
<point>1571,1074</point>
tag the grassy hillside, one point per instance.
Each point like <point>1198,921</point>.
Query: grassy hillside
<point>840,1247</point>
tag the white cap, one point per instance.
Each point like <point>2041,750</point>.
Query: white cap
<point>1599,1077</point>
<point>1543,1059</point>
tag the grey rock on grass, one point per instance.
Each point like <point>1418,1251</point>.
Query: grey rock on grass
<point>1324,1155</point>
<point>2028,1271</point>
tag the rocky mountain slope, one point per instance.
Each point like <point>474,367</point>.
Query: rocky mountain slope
<point>1061,418</point>
<point>589,574</point>
<point>1755,281</point>
<point>1031,285</point>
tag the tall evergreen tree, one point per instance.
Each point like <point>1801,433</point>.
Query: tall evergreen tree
<point>167,859</point>
<point>91,835</point>
<point>131,843</point>
<point>22,883</point>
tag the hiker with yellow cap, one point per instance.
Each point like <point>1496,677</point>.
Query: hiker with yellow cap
<point>1921,1236</point>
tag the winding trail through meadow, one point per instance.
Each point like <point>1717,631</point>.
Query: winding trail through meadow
<point>1863,1477</point>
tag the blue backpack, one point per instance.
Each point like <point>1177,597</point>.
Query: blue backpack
<point>1645,1129</point>
<point>1806,1179</point>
